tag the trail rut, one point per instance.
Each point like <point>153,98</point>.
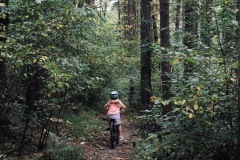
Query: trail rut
<point>100,150</point>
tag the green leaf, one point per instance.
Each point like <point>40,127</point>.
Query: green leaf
<point>175,61</point>
<point>166,102</point>
<point>236,23</point>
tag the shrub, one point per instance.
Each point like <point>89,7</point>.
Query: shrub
<point>84,124</point>
<point>63,152</point>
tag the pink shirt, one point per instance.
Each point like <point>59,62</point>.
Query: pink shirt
<point>114,106</point>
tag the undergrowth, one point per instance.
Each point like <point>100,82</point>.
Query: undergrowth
<point>63,152</point>
<point>84,124</point>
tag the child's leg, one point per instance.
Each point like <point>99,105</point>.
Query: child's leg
<point>120,131</point>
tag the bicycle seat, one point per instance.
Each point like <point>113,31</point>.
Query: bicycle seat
<point>112,120</point>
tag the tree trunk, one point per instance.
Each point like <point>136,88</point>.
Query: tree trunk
<point>205,22</point>
<point>2,79</point>
<point>125,19</point>
<point>129,19</point>
<point>88,2</point>
<point>133,13</point>
<point>155,33</point>
<point>190,24</point>
<point>131,97</point>
<point>178,9</point>
<point>119,12</point>
<point>3,22</point>
<point>238,76</point>
<point>4,121</point>
<point>190,33</point>
<point>32,88</point>
<point>145,54</point>
<point>31,97</point>
<point>165,43</point>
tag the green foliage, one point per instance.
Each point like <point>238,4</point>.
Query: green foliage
<point>203,120</point>
<point>63,152</point>
<point>147,149</point>
<point>74,54</point>
<point>77,51</point>
<point>85,124</point>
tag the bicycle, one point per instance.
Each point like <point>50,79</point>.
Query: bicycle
<point>114,139</point>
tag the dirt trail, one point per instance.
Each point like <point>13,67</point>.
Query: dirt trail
<point>101,149</point>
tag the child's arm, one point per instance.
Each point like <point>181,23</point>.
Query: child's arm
<point>121,105</point>
<point>107,105</point>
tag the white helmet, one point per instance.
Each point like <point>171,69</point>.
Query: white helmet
<point>114,95</point>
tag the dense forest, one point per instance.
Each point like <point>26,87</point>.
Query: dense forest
<point>175,63</point>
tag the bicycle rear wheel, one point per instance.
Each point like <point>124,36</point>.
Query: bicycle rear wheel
<point>116,135</point>
<point>112,135</point>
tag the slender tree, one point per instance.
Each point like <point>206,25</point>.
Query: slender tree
<point>238,76</point>
<point>155,28</point>
<point>119,11</point>
<point>178,11</point>
<point>129,19</point>
<point>178,22</point>
<point>165,43</point>
<point>88,2</point>
<point>190,38</point>
<point>206,21</point>
<point>145,53</point>
<point>190,24</point>
<point>4,121</point>
<point>154,21</point>
<point>3,26</point>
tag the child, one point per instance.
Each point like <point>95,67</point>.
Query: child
<point>113,106</point>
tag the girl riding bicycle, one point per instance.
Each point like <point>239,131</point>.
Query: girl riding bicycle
<point>113,106</point>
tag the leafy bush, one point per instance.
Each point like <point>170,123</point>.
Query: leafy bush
<point>147,149</point>
<point>84,124</point>
<point>63,152</point>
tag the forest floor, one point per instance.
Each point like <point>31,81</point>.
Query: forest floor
<point>101,150</point>
<point>99,147</point>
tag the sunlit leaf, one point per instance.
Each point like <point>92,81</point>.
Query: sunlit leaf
<point>2,4</point>
<point>198,88</point>
<point>209,123</point>
<point>175,61</point>
<point>44,34</point>
<point>153,98</point>
<point>235,22</point>
<point>195,107</point>
<point>68,122</point>
<point>190,115</point>
<point>183,102</point>
<point>233,79</point>
<point>226,1</point>
<point>34,60</point>
<point>166,102</point>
